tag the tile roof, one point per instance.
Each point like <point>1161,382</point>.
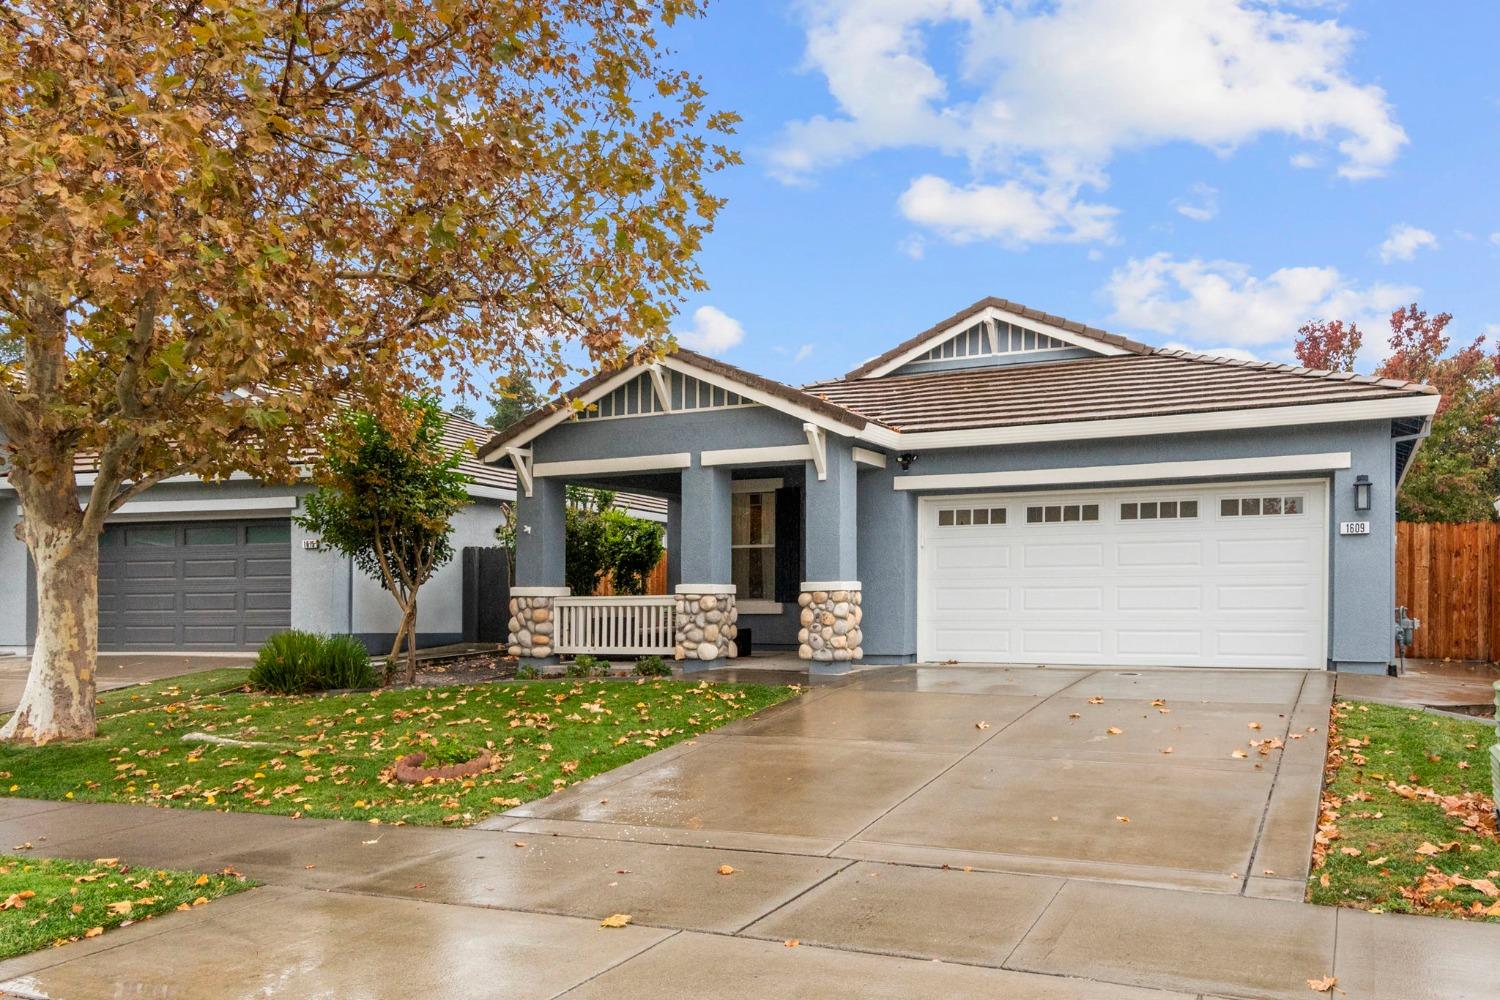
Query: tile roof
<point>1155,383</point>
<point>1088,332</point>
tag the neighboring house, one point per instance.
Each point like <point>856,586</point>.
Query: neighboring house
<point>196,566</point>
<point>1008,486</point>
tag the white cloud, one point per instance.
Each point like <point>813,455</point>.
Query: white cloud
<point>1009,213</point>
<point>1306,161</point>
<point>1201,204</point>
<point>1222,302</point>
<point>713,331</point>
<point>803,353</point>
<point>1495,239</point>
<point>1403,241</point>
<point>1045,95</point>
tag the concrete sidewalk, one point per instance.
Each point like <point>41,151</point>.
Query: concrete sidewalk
<point>909,851</point>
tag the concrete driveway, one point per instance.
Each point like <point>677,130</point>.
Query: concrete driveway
<point>121,670</point>
<point>937,832</point>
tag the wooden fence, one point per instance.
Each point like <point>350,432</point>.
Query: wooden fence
<point>656,583</point>
<point>1448,576</point>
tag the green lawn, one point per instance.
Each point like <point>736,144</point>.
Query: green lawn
<point>334,756</point>
<point>45,902</point>
<point>1395,775</point>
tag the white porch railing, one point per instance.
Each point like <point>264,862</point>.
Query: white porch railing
<point>616,626</point>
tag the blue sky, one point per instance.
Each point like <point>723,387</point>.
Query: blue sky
<point>1203,173</point>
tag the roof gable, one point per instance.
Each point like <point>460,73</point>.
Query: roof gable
<point>695,382</point>
<point>995,331</point>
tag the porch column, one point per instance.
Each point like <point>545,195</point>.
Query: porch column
<point>706,613</point>
<point>674,543</point>
<point>540,541</point>
<point>830,616</point>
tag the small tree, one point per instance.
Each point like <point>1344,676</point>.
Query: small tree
<point>632,548</point>
<point>387,499</point>
<point>585,556</point>
<point>515,396</point>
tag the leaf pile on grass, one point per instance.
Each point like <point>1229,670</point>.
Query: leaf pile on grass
<point>334,755</point>
<point>1407,824</point>
<point>48,902</point>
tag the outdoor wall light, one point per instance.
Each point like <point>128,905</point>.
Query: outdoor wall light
<point>1361,492</point>
<point>906,458</point>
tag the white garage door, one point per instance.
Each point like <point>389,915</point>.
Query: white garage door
<point>1228,575</point>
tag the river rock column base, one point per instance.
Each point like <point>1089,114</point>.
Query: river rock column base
<point>707,622</point>
<point>829,621</point>
<point>533,621</point>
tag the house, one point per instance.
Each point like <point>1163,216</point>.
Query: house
<point>1007,486</point>
<point>193,566</point>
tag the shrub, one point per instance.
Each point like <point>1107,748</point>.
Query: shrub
<point>652,666</point>
<point>585,665</point>
<point>296,662</point>
<point>343,662</point>
<point>285,663</point>
<point>527,673</point>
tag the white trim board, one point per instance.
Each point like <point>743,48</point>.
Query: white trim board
<point>1149,471</point>
<point>253,506</point>
<point>602,466</point>
<point>756,456</point>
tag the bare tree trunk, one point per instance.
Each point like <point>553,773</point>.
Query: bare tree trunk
<point>390,660</point>
<point>410,625</point>
<point>58,701</point>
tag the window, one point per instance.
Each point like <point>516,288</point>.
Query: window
<point>1152,510</point>
<point>1261,506</point>
<point>163,536</point>
<point>1061,513</point>
<point>961,516</point>
<point>211,534</point>
<point>752,546</point>
<point>269,533</point>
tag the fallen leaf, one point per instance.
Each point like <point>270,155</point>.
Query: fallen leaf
<point>1166,749</point>
<point>726,869</point>
<point>1240,754</point>
<point>201,880</point>
<point>615,920</point>
<point>1255,725</point>
<point>1327,984</point>
<point>520,843</point>
<point>1114,731</point>
<point>93,932</point>
<point>790,943</point>
<point>1122,819</point>
<point>981,725</point>
<point>1096,700</point>
<point>121,906</point>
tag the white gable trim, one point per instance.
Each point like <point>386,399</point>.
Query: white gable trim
<point>989,314</point>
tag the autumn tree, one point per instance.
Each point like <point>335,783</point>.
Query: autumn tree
<point>387,500</point>
<point>1455,475</point>
<point>225,220</point>
<point>1328,345</point>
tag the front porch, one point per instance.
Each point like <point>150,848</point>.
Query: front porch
<point>758,539</point>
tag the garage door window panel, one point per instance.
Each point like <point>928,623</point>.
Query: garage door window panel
<point>1062,513</point>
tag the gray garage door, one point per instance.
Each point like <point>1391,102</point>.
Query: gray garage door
<point>208,585</point>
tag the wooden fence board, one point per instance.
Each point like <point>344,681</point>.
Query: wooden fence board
<point>1448,576</point>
